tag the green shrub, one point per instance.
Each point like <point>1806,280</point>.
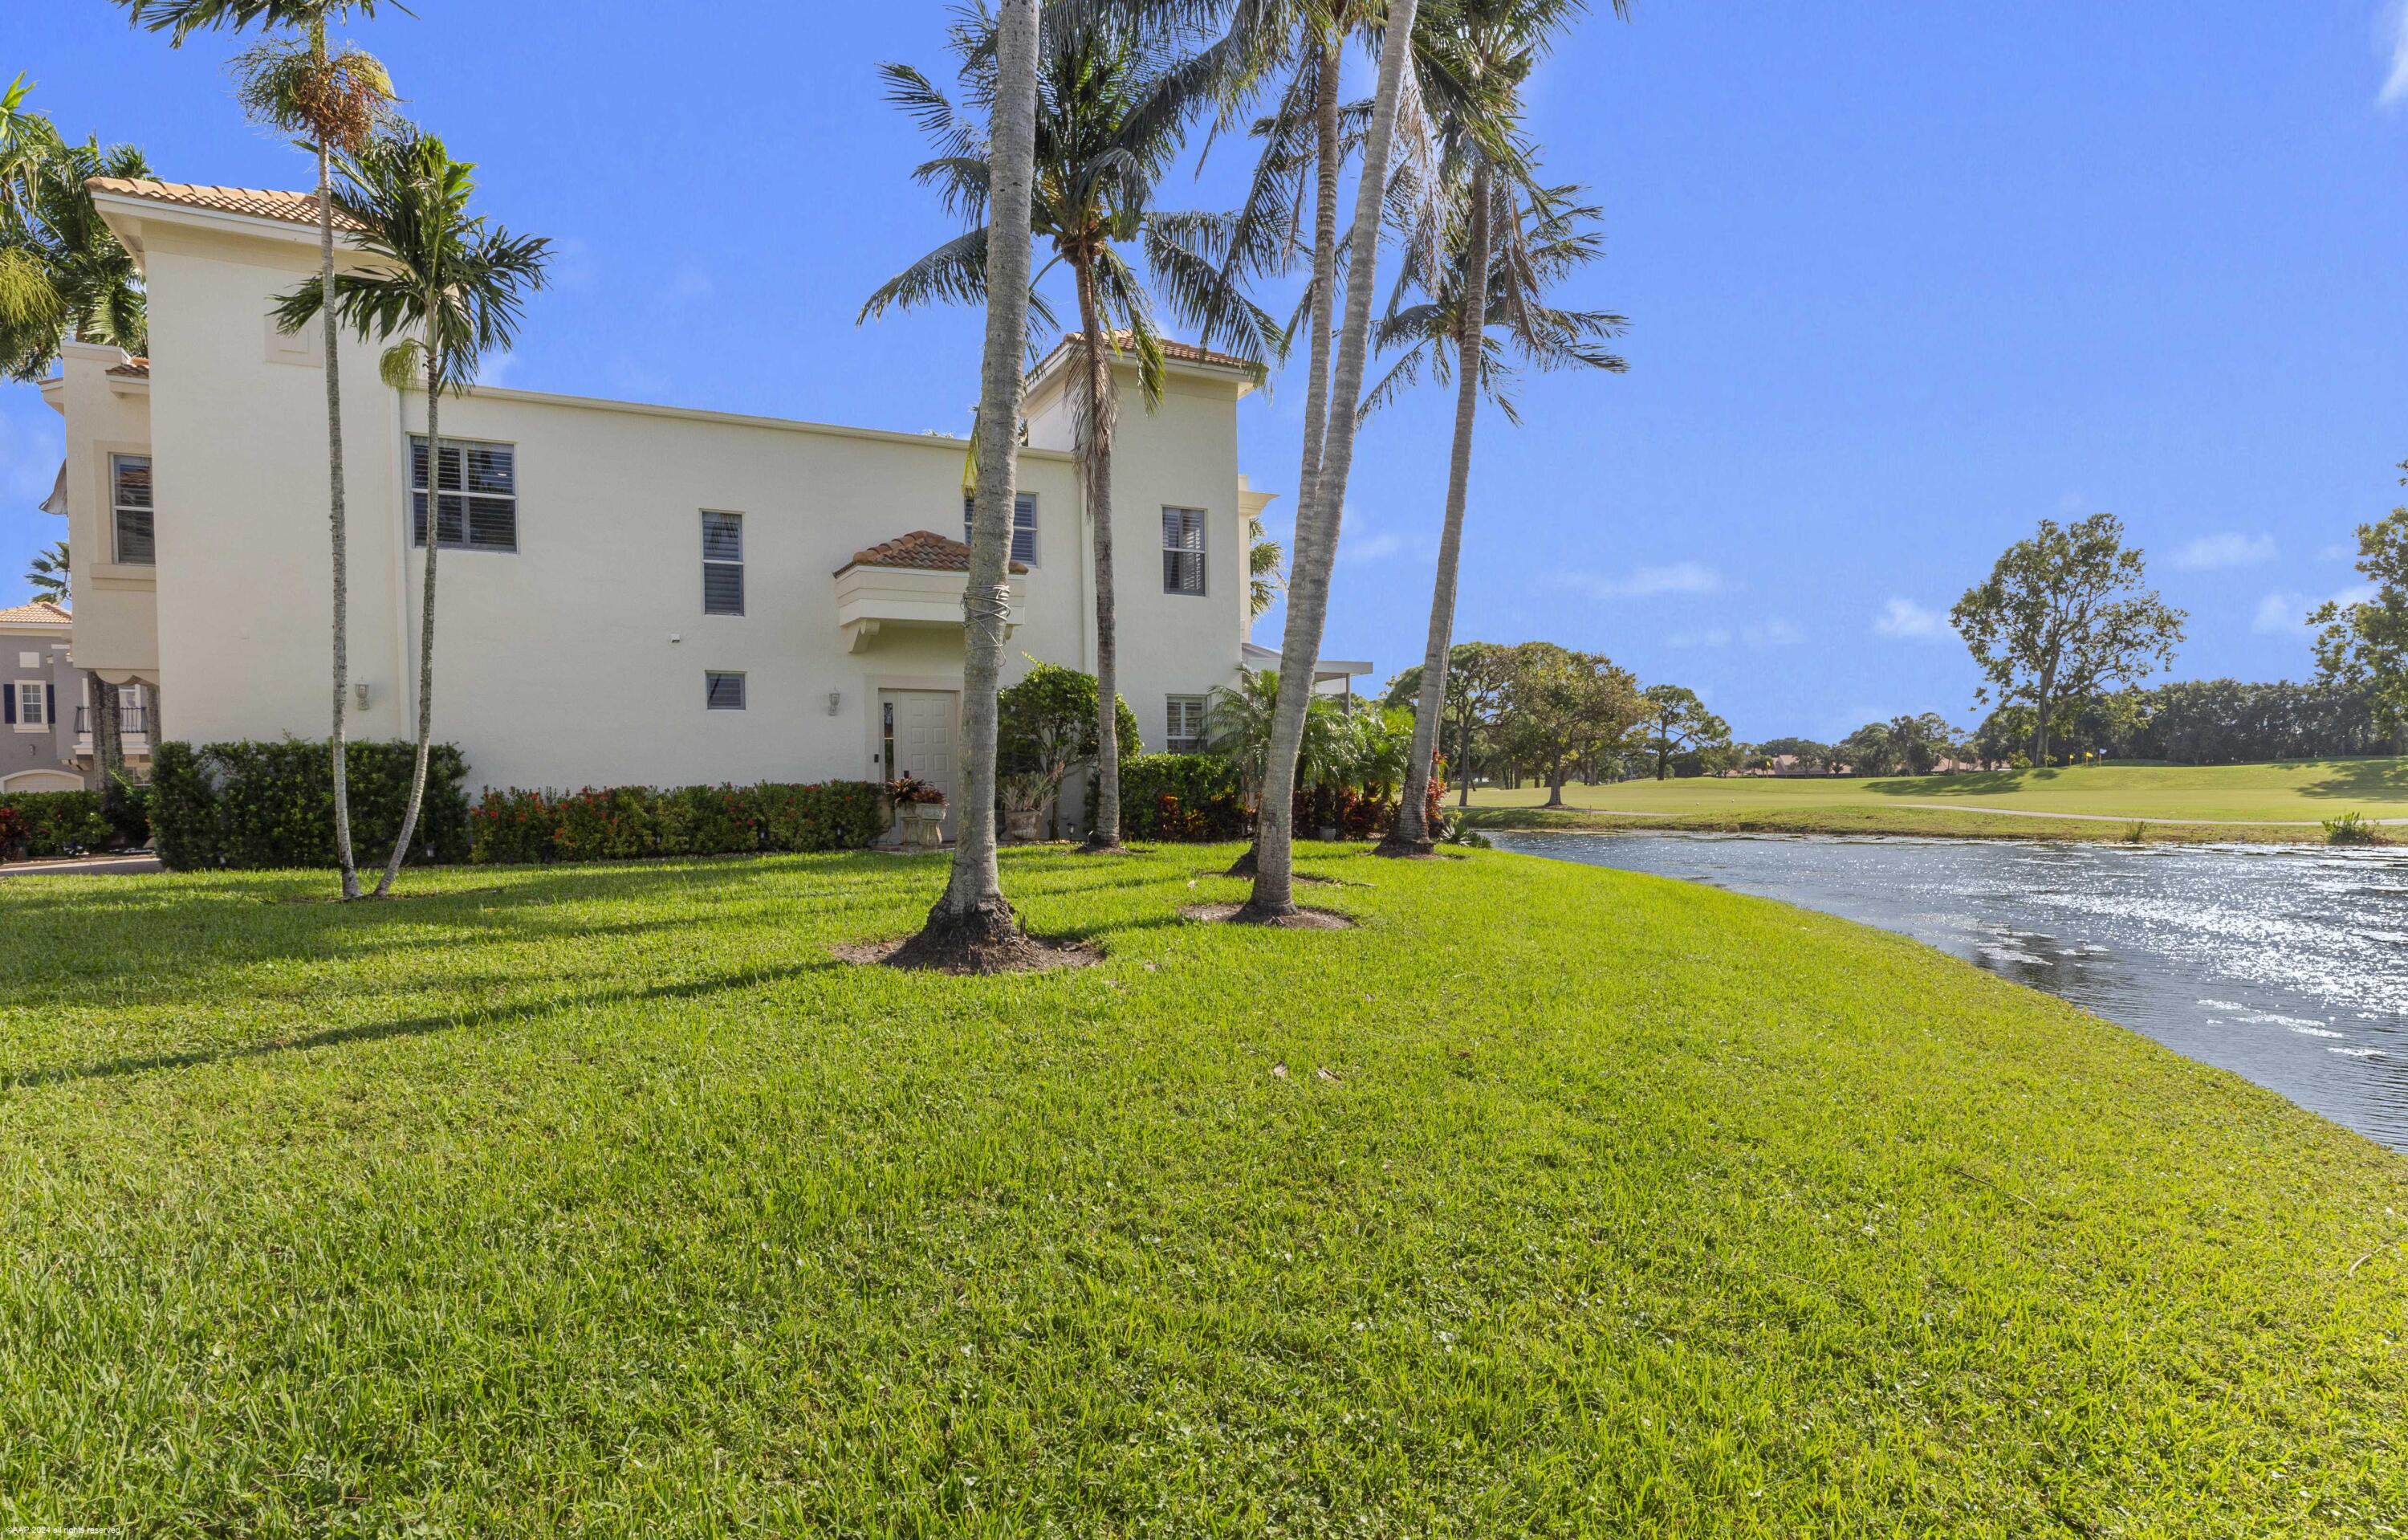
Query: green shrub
<point>1051,698</point>
<point>54,823</point>
<point>260,804</point>
<point>621,823</point>
<point>1181,797</point>
<point>2353,828</point>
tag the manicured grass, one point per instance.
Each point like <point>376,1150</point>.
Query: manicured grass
<point>2275,802</point>
<point>601,1201</point>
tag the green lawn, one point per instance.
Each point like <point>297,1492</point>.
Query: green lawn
<point>1548,1200</point>
<point>2285,800</point>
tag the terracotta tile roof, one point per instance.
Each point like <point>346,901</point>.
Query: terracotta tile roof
<point>1182,353</point>
<point>39,613</point>
<point>923,549</point>
<point>132,368</point>
<point>258,203</point>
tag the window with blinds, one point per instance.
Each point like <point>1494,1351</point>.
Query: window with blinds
<point>723,692</point>
<point>1184,716</point>
<point>1182,551</point>
<point>129,496</point>
<point>476,494</point>
<point>1023,525</point>
<point>723,564</point>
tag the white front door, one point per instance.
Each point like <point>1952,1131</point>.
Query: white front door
<point>918,731</point>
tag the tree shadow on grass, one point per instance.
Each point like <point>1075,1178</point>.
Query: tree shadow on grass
<point>2385,779</point>
<point>376,1031</point>
<point>1968,783</point>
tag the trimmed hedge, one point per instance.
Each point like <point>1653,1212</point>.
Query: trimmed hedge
<point>257,804</point>
<point>627,822</point>
<point>1195,797</point>
<point>54,823</point>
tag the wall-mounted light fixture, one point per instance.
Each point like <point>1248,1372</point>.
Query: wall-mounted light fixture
<point>360,696</point>
<point>836,700</point>
<point>674,637</point>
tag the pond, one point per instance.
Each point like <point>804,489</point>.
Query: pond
<point>2286,965</point>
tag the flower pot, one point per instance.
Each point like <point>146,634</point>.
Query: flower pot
<point>1329,831</point>
<point>1022,827</point>
<point>920,825</point>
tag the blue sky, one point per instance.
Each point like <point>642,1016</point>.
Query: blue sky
<point>1903,280</point>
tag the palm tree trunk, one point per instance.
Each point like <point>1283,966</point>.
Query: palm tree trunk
<point>426,615</point>
<point>1328,164</point>
<point>1463,761</point>
<point>108,746</point>
<point>1307,599</point>
<point>971,926</point>
<point>1095,473</point>
<point>1411,834</point>
<point>337,746</point>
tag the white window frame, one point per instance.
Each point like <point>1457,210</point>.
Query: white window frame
<point>119,507</point>
<point>435,496</point>
<point>1201,551</point>
<point>743,689</point>
<point>1173,707</point>
<point>710,561</point>
<point>33,696</point>
<point>1019,500</point>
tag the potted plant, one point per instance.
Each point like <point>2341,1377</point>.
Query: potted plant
<point>1024,794</point>
<point>919,812</point>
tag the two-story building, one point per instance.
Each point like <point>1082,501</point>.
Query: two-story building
<point>627,592</point>
<point>46,740</point>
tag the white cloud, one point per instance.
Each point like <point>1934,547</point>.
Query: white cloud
<point>690,282</point>
<point>1908,621</point>
<point>2280,611</point>
<point>2395,87</point>
<point>495,370</point>
<point>2337,551</point>
<point>2231,549</point>
<point>1377,546</point>
<point>1775,632</point>
<point>1680,577</point>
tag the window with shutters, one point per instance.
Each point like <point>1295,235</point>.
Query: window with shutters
<point>476,492</point>
<point>1182,551</point>
<point>724,692</point>
<point>1023,525</point>
<point>1184,715</point>
<point>723,564</point>
<point>33,706</point>
<point>129,496</point>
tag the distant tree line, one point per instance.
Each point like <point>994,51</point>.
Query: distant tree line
<point>1537,714</point>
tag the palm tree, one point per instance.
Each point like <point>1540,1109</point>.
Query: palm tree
<point>62,276</point>
<point>971,927</point>
<point>1113,103</point>
<point>1273,899</point>
<point>48,575</point>
<point>451,288</point>
<point>1264,578</point>
<point>1522,238</point>
<point>334,100</point>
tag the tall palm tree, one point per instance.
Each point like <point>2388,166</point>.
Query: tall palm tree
<point>1485,214</point>
<point>971,926</point>
<point>1114,100</point>
<point>1273,898</point>
<point>334,100</point>
<point>450,288</point>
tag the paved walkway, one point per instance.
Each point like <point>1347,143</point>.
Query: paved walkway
<point>82,865</point>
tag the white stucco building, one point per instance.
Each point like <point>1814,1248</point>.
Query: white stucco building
<point>627,592</point>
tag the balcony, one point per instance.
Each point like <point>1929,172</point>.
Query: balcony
<point>132,731</point>
<point>913,583</point>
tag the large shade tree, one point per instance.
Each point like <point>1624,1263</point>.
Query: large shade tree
<point>1562,706</point>
<point>1113,100</point>
<point>2064,617</point>
<point>333,98</point>
<point>971,927</point>
<point>2363,646</point>
<point>1487,244</point>
<point>442,289</point>
<point>1679,723</point>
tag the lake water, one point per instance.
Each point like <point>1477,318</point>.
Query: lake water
<point>2288,966</point>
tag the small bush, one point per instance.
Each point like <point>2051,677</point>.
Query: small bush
<point>260,804</point>
<point>623,823</point>
<point>2353,828</point>
<point>35,824</point>
<point>1181,797</point>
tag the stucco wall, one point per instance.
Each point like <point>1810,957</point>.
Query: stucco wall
<point>117,628</point>
<point>580,658</point>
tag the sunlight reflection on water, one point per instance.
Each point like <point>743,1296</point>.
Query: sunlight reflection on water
<point>2286,965</point>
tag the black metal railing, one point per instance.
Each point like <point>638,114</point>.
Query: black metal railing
<point>129,719</point>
